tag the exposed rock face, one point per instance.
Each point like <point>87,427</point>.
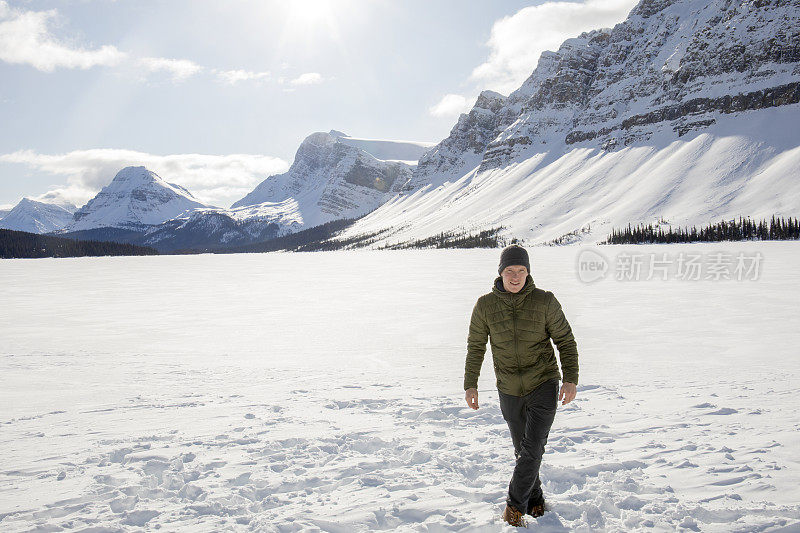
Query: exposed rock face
<point>646,8</point>
<point>467,140</point>
<point>772,97</point>
<point>672,65</point>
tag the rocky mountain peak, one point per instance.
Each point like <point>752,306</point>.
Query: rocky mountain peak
<point>490,100</point>
<point>647,8</point>
<point>27,202</point>
<point>132,173</point>
<point>133,177</point>
<point>36,217</point>
<point>135,198</point>
<point>320,139</point>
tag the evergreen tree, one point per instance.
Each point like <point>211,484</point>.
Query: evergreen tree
<point>733,230</point>
<point>21,244</point>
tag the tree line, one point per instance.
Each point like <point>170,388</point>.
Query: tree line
<point>488,238</point>
<point>21,244</point>
<point>778,228</point>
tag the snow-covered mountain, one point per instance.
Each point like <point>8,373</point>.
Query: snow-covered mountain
<point>37,217</point>
<point>686,111</point>
<point>332,177</point>
<point>134,200</point>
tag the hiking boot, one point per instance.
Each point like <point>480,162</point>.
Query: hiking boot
<point>536,507</point>
<point>513,517</point>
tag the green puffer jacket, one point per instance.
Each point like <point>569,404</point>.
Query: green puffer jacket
<point>520,326</point>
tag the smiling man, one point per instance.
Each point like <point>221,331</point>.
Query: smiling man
<point>520,319</point>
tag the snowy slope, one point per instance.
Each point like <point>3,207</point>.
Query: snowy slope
<point>703,177</point>
<point>226,395</point>
<point>686,111</point>
<point>36,217</point>
<point>135,199</point>
<point>331,178</point>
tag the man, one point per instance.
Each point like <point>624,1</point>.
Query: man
<point>520,319</point>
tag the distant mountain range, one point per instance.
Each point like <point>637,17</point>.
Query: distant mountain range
<point>333,177</point>
<point>684,113</point>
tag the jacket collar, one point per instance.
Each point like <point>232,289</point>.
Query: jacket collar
<point>498,289</point>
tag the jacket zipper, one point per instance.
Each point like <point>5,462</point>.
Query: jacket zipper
<point>516,351</point>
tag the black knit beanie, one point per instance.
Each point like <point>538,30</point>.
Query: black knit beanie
<point>514,255</point>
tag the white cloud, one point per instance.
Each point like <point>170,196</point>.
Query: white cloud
<point>233,77</point>
<point>216,179</point>
<point>451,105</point>
<point>26,40</point>
<point>309,78</point>
<point>180,69</point>
<point>517,41</point>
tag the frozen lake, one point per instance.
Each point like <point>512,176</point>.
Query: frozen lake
<point>323,392</point>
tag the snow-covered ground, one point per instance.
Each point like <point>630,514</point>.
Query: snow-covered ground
<point>322,392</point>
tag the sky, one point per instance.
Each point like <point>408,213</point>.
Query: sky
<point>217,96</point>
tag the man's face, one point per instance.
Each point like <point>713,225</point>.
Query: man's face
<point>514,277</point>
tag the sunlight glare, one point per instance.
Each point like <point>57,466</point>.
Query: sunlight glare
<point>304,15</point>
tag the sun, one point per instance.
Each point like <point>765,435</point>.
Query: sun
<point>307,15</point>
<point>309,26</point>
<point>315,28</point>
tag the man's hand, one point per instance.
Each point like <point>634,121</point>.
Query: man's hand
<point>472,398</point>
<point>568,392</point>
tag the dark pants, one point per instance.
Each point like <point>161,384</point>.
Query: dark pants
<point>529,419</point>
